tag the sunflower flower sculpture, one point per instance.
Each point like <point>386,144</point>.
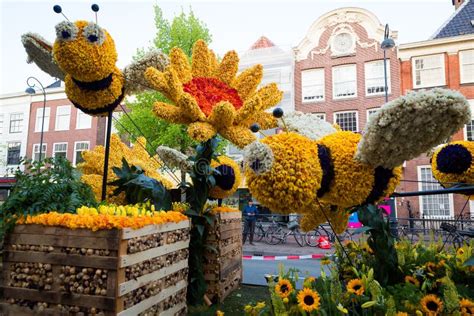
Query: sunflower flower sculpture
<point>209,96</point>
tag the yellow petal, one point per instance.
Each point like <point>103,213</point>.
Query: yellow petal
<point>270,96</point>
<point>213,63</point>
<point>249,108</point>
<point>179,63</point>
<point>228,67</point>
<point>157,80</point>
<point>265,120</point>
<point>246,83</point>
<point>222,115</point>
<point>190,107</point>
<point>239,135</point>
<point>200,60</point>
<point>201,131</point>
<point>170,113</point>
<point>175,89</point>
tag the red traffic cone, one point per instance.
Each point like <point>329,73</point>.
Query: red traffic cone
<point>323,243</point>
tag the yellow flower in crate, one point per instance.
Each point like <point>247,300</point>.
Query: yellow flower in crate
<point>93,165</point>
<point>224,209</point>
<point>228,178</point>
<point>466,307</point>
<point>431,305</point>
<point>211,98</point>
<point>308,300</point>
<point>283,288</point>
<point>356,287</point>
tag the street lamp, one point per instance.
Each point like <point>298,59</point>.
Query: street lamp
<point>387,44</point>
<point>31,90</point>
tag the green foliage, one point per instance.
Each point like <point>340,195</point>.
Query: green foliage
<point>182,32</point>
<point>50,185</point>
<point>139,188</point>
<point>197,194</point>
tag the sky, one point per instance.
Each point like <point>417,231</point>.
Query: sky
<point>233,24</point>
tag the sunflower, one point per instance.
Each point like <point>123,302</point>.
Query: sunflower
<point>460,252</point>
<point>431,305</point>
<point>283,288</point>
<point>209,96</point>
<point>355,286</point>
<point>308,300</point>
<point>466,307</point>
<point>412,280</point>
<point>431,267</point>
<point>401,314</point>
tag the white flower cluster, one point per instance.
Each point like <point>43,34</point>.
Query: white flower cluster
<point>174,158</point>
<point>258,157</point>
<point>411,125</point>
<point>306,124</point>
<point>134,73</point>
<point>66,28</point>
<point>95,30</point>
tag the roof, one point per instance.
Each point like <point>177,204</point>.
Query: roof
<point>262,42</point>
<point>460,23</point>
<point>56,84</point>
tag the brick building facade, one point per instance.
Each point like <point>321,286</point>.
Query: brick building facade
<point>339,70</point>
<point>446,60</point>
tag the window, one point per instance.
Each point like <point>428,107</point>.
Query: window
<point>321,116</point>
<point>79,147</point>
<point>13,154</point>
<point>60,150</point>
<point>63,115</point>
<point>466,61</point>
<point>344,81</point>
<point>375,77</point>
<point>36,152</point>
<point>39,119</point>
<point>312,85</point>
<point>346,120</point>
<point>428,71</point>
<point>470,126</point>
<point>83,120</point>
<point>1,123</point>
<point>16,122</point>
<point>371,112</point>
<point>432,205</point>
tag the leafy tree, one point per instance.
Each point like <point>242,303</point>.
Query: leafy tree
<point>182,32</point>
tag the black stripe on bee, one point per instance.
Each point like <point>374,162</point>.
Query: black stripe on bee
<point>324,155</point>
<point>97,85</point>
<point>382,177</point>
<point>103,109</point>
<point>225,179</point>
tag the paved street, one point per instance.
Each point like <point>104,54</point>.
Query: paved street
<point>255,270</point>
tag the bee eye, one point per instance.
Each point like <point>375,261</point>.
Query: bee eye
<point>258,157</point>
<point>66,31</point>
<point>94,34</point>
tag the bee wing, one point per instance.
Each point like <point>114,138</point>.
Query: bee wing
<point>411,125</point>
<point>135,72</point>
<point>306,124</point>
<point>40,51</point>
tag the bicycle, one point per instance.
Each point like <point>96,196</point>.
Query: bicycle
<point>456,237</point>
<point>404,232</point>
<point>277,234</point>
<point>312,237</point>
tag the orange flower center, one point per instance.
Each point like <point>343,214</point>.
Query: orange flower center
<point>210,91</point>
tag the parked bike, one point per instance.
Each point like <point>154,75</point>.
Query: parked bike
<point>279,232</point>
<point>312,237</point>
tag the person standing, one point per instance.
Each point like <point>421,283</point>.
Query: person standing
<point>250,216</point>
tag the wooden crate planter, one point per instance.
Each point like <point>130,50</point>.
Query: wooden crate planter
<point>223,268</point>
<point>60,271</point>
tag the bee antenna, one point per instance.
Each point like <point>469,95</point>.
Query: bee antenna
<point>278,114</point>
<point>255,128</point>
<point>57,8</point>
<point>95,8</point>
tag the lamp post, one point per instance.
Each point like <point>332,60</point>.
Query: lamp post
<point>31,90</point>
<point>387,44</point>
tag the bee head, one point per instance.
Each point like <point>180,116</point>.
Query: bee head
<point>282,170</point>
<point>84,50</point>
<point>453,158</point>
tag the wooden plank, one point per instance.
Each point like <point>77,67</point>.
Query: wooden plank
<point>128,260</point>
<point>230,215</point>
<point>149,302</point>
<point>225,234</point>
<point>63,231</point>
<point>231,226</point>
<point>119,303</point>
<point>133,284</point>
<point>7,309</point>
<point>128,233</point>
<point>173,310</point>
<point>64,241</point>
<point>101,302</point>
<point>61,258</point>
